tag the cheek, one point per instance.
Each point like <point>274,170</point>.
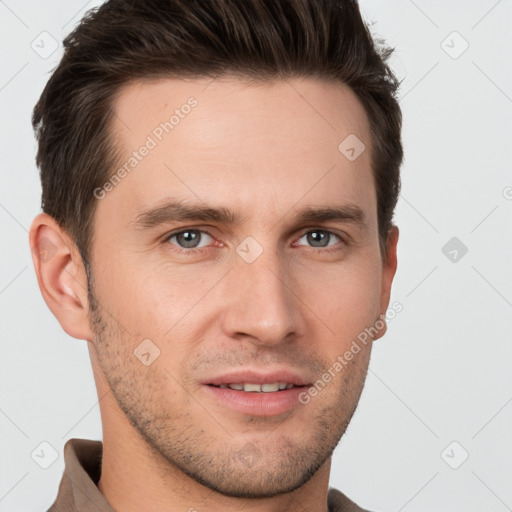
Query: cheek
<point>155,300</point>
<point>347,301</point>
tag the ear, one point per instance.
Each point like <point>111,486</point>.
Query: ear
<point>388,273</point>
<point>61,275</point>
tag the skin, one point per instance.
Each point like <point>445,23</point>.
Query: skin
<point>264,151</point>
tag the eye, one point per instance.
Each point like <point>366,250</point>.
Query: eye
<point>320,238</point>
<point>188,239</point>
<point>193,240</point>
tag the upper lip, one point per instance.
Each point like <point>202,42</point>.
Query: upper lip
<point>256,377</point>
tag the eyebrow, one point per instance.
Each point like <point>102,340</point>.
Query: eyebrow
<point>179,211</point>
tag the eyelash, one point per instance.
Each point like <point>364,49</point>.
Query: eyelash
<point>202,249</point>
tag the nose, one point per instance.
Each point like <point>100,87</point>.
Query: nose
<point>263,307</point>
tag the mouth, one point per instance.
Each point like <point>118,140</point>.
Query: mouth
<point>257,394</point>
<point>272,387</point>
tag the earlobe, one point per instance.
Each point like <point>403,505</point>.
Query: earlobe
<point>61,275</point>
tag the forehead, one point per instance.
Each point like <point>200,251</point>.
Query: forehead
<point>275,144</point>
<point>313,109</point>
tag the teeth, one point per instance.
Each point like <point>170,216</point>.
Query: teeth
<point>252,387</point>
<point>259,388</point>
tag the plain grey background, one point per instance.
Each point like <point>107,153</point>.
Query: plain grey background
<point>433,427</point>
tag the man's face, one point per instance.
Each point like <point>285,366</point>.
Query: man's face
<point>267,299</point>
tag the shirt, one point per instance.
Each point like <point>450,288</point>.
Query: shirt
<point>78,491</point>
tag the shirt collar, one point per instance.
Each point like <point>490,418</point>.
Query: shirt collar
<point>78,491</point>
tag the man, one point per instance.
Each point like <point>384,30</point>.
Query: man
<point>219,179</point>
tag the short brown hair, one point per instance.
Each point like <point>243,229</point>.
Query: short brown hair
<point>124,40</point>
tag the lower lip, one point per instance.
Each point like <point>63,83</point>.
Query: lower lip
<point>258,404</point>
